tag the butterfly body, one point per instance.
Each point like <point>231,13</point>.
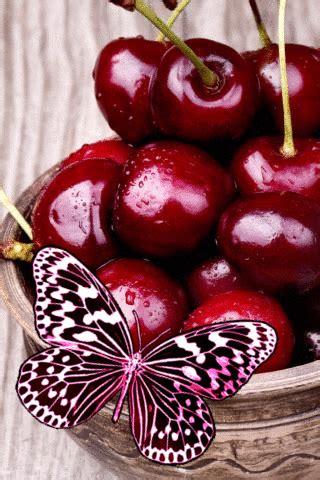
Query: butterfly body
<point>91,360</point>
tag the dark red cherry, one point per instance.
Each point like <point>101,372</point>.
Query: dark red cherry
<point>215,275</point>
<point>113,149</point>
<point>274,239</point>
<point>170,196</point>
<point>73,211</point>
<point>159,301</point>
<point>249,305</point>
<point>306,309</point>
<point>258,166</point>
<point>122,74</point>
<point>303,71</point>
<point>185,108</point>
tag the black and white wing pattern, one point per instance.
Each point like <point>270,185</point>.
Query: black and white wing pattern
<point>168,427</point>
<point>74,310</point>
<point>214,361</point>
<point>63,388</point>
<point>90,343</point>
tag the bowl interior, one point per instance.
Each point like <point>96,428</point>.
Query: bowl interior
<point>16,290</point>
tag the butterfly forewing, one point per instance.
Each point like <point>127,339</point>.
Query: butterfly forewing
<point>74,310</point>
<point>213,361</point>
<point>63,388</point>
<point>170,428</point>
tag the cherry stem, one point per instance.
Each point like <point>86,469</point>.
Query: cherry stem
<point>175,14</point>
<point>17,251</point>
<point>287,148</point>
<point>12,209</point>
<point>209,78</point>
<point>263,34</point>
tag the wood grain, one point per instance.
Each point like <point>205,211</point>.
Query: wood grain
<point>47,109</point>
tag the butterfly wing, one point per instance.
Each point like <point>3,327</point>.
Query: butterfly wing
<point>213,361</point>
<point>75,313</point>
<point>63,388</point>
<point>168,427</point>
<point>74,310</point>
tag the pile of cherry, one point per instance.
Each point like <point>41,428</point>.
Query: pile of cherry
<point>193,214</point>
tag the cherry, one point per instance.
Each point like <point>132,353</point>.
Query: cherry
<point>259,166</point>
<point>113,149</point>
<point>249,305</point>
<point>303,71</point>
<point>122,74</point>
<point>213,276</point>
<point>170,197</point>
<point>185,107</point>
<point>274,239</point>
<point>73,210</point>
<point>306,309</point>
<point>160,302</point>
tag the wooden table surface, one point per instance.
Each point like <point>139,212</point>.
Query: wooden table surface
<point>47,109</point>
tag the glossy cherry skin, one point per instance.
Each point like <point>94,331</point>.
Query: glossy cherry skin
<point>170,196</point>
<point>184,107</point>
<point>303,71</point>
<point>73,211</point>
<point>122,74</point>
<point>249,305</point>
<point>259,166</point>
<point>160,302</point>
<point>213,276</point>
<point>112,149</point>
<point>274,239</point>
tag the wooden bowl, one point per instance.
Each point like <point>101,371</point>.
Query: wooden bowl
<point>270,428</point>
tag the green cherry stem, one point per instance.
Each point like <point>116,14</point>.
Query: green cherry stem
<point>209,78</point>
<point>12,209</point>
<point>15,250</point>
<point>263,34</point>
<point>287,148</point>
<point>175,14</point>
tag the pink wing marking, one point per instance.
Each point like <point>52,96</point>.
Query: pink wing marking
<point>74,310</point>
<point>213,361</point>
<point>63,388</point>
<point>168,428</point>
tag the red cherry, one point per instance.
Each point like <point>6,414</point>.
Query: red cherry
<point>303,71</point>
<point>306,309</point>
<point>170,196</point>
<point>184,107</point>
<point>215,275</point>
<point>159,301</point>
<point>113,149</point>
<point>249,305</point>
<point>274,239</point>
<point>122,74</point>
<point>259,166</point>
<point>73,210</point>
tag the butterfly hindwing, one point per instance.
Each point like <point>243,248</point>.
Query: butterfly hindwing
<point>213,361</point>
<point>63,388</point>
<point>169,428</point>
<point>74,310</point>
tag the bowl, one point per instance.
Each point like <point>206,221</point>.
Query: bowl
<point>270,429</point>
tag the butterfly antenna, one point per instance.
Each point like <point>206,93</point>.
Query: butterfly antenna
<point>137,320</point>
<point>156,339</point>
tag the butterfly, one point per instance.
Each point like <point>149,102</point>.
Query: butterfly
<point>91,359</point>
